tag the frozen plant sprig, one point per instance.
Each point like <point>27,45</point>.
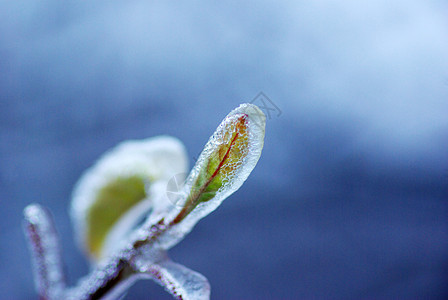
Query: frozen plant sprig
<point>129,183</point>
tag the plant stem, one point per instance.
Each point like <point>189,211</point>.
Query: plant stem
<point>44,245</point>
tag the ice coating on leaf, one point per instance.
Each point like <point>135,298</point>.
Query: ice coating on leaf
<point>112,196</point>
<point>225,163</point>
<point>44,246</point>
<point>178,280</point>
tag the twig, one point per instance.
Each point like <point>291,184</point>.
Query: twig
<point>44,245</point>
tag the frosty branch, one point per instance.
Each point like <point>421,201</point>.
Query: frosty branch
<point>128,184</point>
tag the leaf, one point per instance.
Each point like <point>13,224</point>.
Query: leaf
<point>228,158</point>
<point>112,201</point>
<point>178,280</point>
<point>113,195</point>
<point>220,167</point>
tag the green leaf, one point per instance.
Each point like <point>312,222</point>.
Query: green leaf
<point>224,156</point>
<point>114,195</point>
<point>112,202</point>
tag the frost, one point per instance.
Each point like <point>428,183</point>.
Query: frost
<point>238,170</point>
<point>44,244</point>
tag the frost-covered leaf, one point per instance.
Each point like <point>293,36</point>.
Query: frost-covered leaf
<point>180,281</point>
<point>226,161</point>
<point>113,195</point>
<point>228,158</point>
<point>177,279</point>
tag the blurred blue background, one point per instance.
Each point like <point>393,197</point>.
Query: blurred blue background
<point>350,197</point>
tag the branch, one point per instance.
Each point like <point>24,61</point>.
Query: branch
<point>44,245</point>
<point>105,282</point>
<point>109,280</point>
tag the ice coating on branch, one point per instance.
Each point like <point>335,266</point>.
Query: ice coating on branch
<point>44,245</point>
<point>228,158</point>
<point>107,281</point>
<point>123,272</point>
<point>112,196</point>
